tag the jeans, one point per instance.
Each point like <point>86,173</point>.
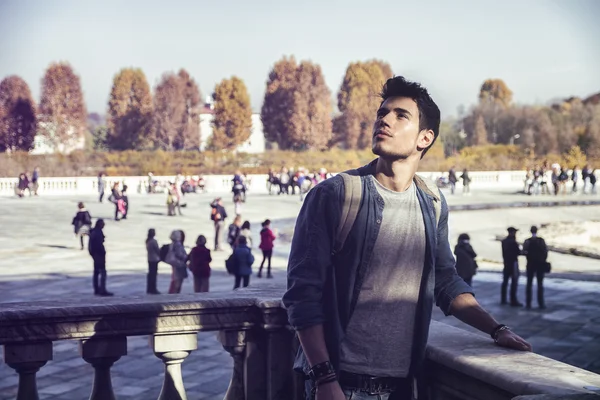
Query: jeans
<point>452,187</point>
<point>513,275</point>
<point>539,274</point>
<point>151,278</point>
<point>267,254</point>
<point>218,230</point>
<point>238,281</point>
<point>201,284</point>
<point>99,279</point>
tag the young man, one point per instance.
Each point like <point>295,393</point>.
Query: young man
<point>98,253</point>
<point>510,255</point>
<point>363,314</point>
<point>536,251</point>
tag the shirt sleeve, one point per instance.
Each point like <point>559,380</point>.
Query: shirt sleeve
<point>310,256</point>
<point>448,285</point>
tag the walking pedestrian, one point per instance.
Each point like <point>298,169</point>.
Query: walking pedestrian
<point>243,260</point>
<point>35,180</point>
<point>466,181</point>
<point>82,223</point>
<point>360,306</point>
<point>536,252</point>
<point>153,250</point>
<point>22,185</point>
<point>466,266</point>
<point>267,237</point>
<point>177,259</point>
<point>98,252</point>
<point>592,178</point>
<point>510,254</point>
<point>115,198</point>
<point>585,177</point>
<point>200,260</point>
<point>171,199</point>
<point>218,215</point>
<point>125,204</point>
<point>452,179</point>
<point>233,231</point>
<point>101,186</point>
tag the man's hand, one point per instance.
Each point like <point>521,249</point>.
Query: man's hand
<point>511,340</point>
<point>330,391</point>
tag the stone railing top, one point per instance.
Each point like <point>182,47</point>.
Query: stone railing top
<point>127,316</point>
<point>515,372</point>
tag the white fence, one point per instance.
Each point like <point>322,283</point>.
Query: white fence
<point>222,183</point>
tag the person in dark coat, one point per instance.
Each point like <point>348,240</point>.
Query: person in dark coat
<point>125,199</point>
<point>536,252</point>
<point>218,215</point>
<point>98,253</point>
<point>510,254</point>
<point>466,181</point>
<point>115,198</point>
<point>452,179</point>
<point>243,260</point>
<point>153,250</point>
<point>82,223</point>
<point>200,260</point>
<point>466,266</point>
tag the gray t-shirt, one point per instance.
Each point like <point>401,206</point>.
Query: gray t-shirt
<point>379,337</point>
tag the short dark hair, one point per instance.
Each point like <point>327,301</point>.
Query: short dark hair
<point>429,112</point>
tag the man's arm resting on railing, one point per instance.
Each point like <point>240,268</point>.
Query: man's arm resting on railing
<point>466,308</point>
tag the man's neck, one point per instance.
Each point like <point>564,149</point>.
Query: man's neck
<point>396,175</point>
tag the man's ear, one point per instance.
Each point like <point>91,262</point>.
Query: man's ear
<point>425,139</point>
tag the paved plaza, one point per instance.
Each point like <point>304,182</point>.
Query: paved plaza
<point>40,260</point>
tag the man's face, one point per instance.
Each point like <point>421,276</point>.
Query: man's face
<point>396,132</point>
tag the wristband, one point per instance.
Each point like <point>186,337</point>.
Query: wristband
<point>328,379</point>
<point>320,371</point>
<point>497,330</point>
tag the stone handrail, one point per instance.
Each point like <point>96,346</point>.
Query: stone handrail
<point>253,328</point>
<point>87,185</point>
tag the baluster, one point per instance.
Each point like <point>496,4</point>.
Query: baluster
<point>102,353</point>
<point>172,350</point>
<point>27,359</point>
<point>234,342</point>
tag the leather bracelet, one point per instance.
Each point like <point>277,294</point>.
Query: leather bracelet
<point>497,330</point>
<point>320,371</point>
<point>327,379</point>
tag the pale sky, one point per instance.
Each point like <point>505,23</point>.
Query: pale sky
<point>543,49</point>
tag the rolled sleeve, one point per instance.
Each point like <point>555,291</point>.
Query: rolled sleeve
<point>310,257</point>
<point>448,285</point>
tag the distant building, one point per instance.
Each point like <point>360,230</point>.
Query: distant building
<point>255,144</point>
<point>43,142</point>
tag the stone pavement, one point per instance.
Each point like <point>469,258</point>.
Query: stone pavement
<point>39,259</point>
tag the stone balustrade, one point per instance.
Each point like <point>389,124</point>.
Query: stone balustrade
<point>252,327</point>
<point>222,183</point>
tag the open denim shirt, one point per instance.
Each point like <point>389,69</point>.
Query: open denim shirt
<point>323,287</point>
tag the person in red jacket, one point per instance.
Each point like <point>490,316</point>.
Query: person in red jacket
<point>200,265</point>
<point>267,237</point>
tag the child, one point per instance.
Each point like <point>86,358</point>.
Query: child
<point>82,223</point>
<point>267,237</point>
<point>245,231</point>
<point>200,265</point>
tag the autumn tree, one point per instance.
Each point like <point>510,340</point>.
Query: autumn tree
<point>168,112</point>
<point>495,90</point>
<point>188,134</point>
<point>63,115</point>
<point>18,121</point>
<point>232,122</point>
<point>312,108</point>
<point>278,105</point>
<point>480,133</point>
<point>129,111</point>
<point>358,100</point>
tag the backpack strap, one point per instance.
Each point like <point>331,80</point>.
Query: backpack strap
<point>352,199</point>
<point>431,188</point>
